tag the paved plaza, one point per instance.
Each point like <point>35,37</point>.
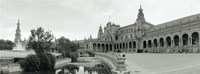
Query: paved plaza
<point>163,63</point>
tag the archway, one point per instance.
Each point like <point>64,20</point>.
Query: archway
<point>176,40</point>
<point>126,45</point>
<point>149,44</point>
<point>185,39</point>
<point>161,42</point>
<point>134,44</point>
<point>117,46</point>
<point>110,47</point>
<point>103,47</point>
<point>106,48</point>
<point>130,45</point>
<point>155,42</point>
<point>123,45</point>
<point>195,38</point>
<point>120,45</point>
<point>94,47</point>
<point>144,44</point>
<point>168,39</point>
<point>98,47</point>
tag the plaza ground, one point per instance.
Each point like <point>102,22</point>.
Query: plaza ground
<point>185,63</point>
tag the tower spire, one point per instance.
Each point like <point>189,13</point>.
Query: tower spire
<point>18,33</point>
<point>140,14</point>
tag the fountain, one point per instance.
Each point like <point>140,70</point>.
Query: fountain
<point>19,47</point>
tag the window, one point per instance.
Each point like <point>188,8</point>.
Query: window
<point>121,37</point>
<point>131,36</point>
<point>116,37</point>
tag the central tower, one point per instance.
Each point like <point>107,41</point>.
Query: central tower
<point>18,33</point>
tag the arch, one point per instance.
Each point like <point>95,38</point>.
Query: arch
<point>185,39</point>
<point>87,46</point>
<point>94,47</point>
<point>126,45</point>
<point>123,45</point>
<point>90,52</point>
<point>110,46</point>
<point>155,42</point>
<point>161,42</point>
<point>195,38</point>
<point>106,50</point>
<point>117,46</point>
<point>176,40</point>
<point>168,39</point>
<point>149,43</point>
<point>144,44</point>
<point>130,45</point>
<point>120,45</point>
<point>98,47</point>
<point>103,47</point>
<point>134,44</point>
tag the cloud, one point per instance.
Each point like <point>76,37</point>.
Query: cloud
<point>80,18</point>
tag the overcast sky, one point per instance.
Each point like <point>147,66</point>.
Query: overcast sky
<point>76,19</point>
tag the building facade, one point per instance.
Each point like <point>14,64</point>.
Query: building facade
<point>176,36</point>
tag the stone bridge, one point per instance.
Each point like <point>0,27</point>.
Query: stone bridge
<point>114,62</point>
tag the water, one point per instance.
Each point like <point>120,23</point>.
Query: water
<point>19,47</point>
<point>97,69</point>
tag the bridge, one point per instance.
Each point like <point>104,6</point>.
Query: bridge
<point>112,61</point>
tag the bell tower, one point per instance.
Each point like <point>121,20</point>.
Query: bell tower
<point>139,23</point>
<point>18,33</point>
<point>100,32</point>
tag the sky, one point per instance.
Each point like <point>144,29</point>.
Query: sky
<point>78,19</point>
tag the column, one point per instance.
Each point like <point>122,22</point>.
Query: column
<point>190,41</point>
<point>99,48</point>
<point>181,42</point>
<point>128,45</point>
<point>114,47</point>
<point>108,48</point>
<point>158,44</point>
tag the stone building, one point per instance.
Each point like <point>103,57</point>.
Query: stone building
<point>18,36</point>
<point>180,35</point>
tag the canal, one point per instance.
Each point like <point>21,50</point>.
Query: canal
<point>94,66</point>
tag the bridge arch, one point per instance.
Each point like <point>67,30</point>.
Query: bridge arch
<point>90,52</point>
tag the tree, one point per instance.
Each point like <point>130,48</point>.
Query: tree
<point>72,68</point>
<point>68,48</point>
<point>73,56</point>
<point>30,63</point>
<point>40,40</point>
<point>6,44</point>
<point>63,44</point>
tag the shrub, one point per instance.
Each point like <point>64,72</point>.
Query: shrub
<point>44,60</point>
<point>52,60</point>
<point>30,63</point>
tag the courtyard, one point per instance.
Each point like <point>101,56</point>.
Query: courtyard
<point>163,63</point>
